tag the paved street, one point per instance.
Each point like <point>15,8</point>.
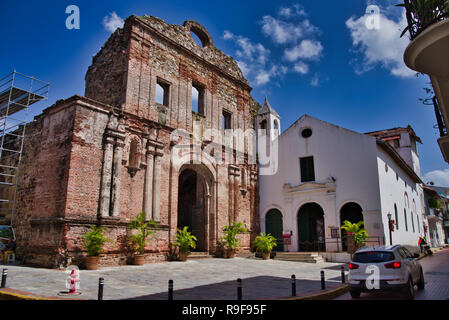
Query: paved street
<point>207,279</point>
<point>436,275</point>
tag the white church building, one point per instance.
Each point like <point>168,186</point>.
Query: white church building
<point>327,174</point>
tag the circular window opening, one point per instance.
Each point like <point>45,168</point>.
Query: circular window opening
<point>306,133</point>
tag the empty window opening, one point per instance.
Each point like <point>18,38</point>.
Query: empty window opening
<point>162,93</point>
<point>263,127</point>
<point>226,120</point>
<point>307,169</point>
<point>196,39</point>
<point>198,99</point>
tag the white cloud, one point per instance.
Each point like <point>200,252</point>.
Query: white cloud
<point>293,11</point>
<point>382,46</point>
<point>292,32</point>
<point>315,82</point>
<point>279,31</point>
<point>440,178</point>
<point>307,49</point>
<point>112,22</point>
<point>301,67</point>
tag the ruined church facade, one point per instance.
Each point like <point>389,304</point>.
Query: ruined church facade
<point>131,144</point>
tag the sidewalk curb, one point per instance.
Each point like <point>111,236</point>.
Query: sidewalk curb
<point>13,294</point>
<point>320,295</point>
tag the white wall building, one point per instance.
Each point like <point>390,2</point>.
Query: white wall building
<point>327,174</point>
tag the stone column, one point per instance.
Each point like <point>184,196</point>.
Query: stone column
<point>116,171</point>
<point>106,177</point>
<point>148,191</point>
<point>236,193</point>
<point>157,187</point>
<point>231,195</point>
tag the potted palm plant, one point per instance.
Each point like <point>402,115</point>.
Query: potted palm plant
<point>354,230</point>
<point>229,241</point>
<point>94,241</point>
<point>184,241</point>
<point>142,232</point>
<point>263,244</point>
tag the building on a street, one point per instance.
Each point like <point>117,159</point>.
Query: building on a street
<point>437,201</point>
<point>327,174</point>
<point>132,144</point>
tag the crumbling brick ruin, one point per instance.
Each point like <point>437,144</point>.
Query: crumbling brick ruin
<point>103,158</point>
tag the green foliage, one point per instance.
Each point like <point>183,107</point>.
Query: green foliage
<point>184,240</point>
<point>229,240</point>
<point>145,232</point>
<point>434,203</point>
<point>426,12</point>
<point>360,234</point>
<point>94,241</point>
<point>264,243</point>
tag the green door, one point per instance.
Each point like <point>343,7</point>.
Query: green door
<point>273,225</point>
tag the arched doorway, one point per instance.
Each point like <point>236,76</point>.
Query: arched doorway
<point>352,212</point>
<point>311,228</point>
<point>274,225</point>
<point>194,205</point>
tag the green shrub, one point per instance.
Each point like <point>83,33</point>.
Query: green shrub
<point>145,232</point>
<point>184,240</point>
<point>229,240</point>
<point>264,243</point>
<point>94,241</point>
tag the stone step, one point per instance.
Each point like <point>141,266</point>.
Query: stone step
<point>310,257</point>
<point>199,255</point>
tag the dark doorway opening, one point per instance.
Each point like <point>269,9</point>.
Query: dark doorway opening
<point>191,208</point>
<point>352,212</point>
<point>311,228</point>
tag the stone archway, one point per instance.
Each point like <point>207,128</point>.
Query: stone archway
<point>311,235</point>
<point>352,212</point>
<point>195,208</point>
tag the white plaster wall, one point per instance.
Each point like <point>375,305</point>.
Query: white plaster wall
<point>393,192</point>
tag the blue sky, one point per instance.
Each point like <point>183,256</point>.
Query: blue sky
<point>314,57</point>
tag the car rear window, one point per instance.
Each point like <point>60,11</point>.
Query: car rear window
<point>373,256</point>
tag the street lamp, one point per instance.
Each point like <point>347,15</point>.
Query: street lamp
<point>389,227</point>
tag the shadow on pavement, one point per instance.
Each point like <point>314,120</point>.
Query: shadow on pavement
<point>261,287</point>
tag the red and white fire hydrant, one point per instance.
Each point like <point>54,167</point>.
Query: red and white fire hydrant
<point>73,282</point>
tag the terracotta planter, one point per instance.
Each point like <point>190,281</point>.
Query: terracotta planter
<point>266,255</point>
<point>183,256</point>
<point>92,263</point>
<point>139,259</point>
<point>230,253</point>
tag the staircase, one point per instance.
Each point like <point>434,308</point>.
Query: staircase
<point>310,257</point>
<point>199,255</point>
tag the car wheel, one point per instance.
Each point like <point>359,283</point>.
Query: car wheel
<point>421,281</point>
<point>410,289</point>
<point>354,294</point>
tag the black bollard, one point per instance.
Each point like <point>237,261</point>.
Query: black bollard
<point>293,285</point>
<point>239,289</point>
<point>343,280</point>
<point>170,289</point>
<point>4,274</point>
<point>323,285</point>
<point>100,288</point>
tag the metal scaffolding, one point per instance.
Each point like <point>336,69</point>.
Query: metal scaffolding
<point>17,93</point>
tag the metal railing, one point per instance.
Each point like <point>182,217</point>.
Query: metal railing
<point>338,244</point>
<point>421,14</point>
